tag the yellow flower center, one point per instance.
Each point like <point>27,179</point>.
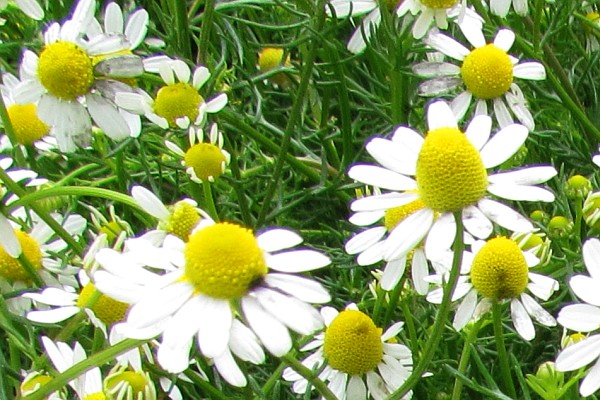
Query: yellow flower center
<point>439,3</point>
<point>499,270</point>
<point>224,261</point>
<point>27,126</point>
<point>487,72</point>
<point>177,101</point>
<point>353,343</point>
<point>108,310</point>
<point>271,57</point>
<point>593,17</point>
<point>450,173</point>
<point>95,396</point>
<point>184,217</point>
<point>65,70</point>
<point>33,384</point>
<point>393,216</point>
<point>11,269</point>
<point>136,380</point>
<point>206,159</point>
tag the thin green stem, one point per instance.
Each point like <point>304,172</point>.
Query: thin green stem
<point>501,348</point>
<point>394,297</point>
<point>309,376</point>
<point>410,325</point>
<point>465,356</point>
<point>205,386</point>
<point>273,379</point>
<point>295,113</point>
<point>31,270</point>
<point>182,28</point>
<point>207,24</point>
<point>209,201</point>
<point>442,316</point>
<point>80,368</point>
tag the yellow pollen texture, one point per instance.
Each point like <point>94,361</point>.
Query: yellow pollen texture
<point>177,101</point>
<point>27,126</point>
<point>206,159</point>
<point>135,380</point>
<point>487,72</point>
<point>108,310</point>
<point>65,70</point>
<point>95,396</point>
<point>439,3</point>
<point>353,343</point>
<point>499,270</point>
<point>183,219</point>
<point>272,57</point>
<point>11,269</point>
<point>450,173</point>
<point>393,216</point>
<point>224,261</point>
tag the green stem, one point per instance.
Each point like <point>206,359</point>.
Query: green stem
<point>442,315</point>
<point>472,332</point>
<point>273,379</point>
<point>205,386</point>
<point>394,297</point>
<point>207,24</point>
<point>81,367</point>
<point>410,325</point>
<point>182,28</point>
<point>10,132</point>
<point>295,113</point>
<point>209,201</point>
<point>501,348</point>
<point>309,376</point>
<point>31,270</point>
<point>44,216</point>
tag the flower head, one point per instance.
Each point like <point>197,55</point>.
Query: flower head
<point>354,356</point>
<point>30,7</point>
<point>487,73</point>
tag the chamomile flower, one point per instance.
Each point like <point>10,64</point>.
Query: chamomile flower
<point>220,275</point>
<point>430,11</point>
<point>354,357</point>
<point>447,172</point>
<point>203,161</point>
<point>501,7</point>
<point>178,103</point>
<point>584,317</point>
<point>179,219</point>
<point>487,73</point>
<point>132,27</point>
<point>499,271</point>
<point>75,80</point>
<point>30,7</point>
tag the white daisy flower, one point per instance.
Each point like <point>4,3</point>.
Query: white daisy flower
<point>447,171</point>
<point>178,103</point>
<point>203,161</point>
<point>429,11</point>
<point>584,317</point>
<point>354,357</point>
<point>222,274</point>
<point>30,7</point>
<point>179,219</point>
<point>132,27</point>
<point>501,7</point>
<point>499,271</point>
<point>74,80</point>
<point>487,72</point>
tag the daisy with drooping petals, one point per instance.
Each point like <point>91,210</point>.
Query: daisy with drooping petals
<point>178,103</point>
<point>220,275</point>
<point>584,317</point>
<point>450,175</point>
<point>354,357</point>
<point>30,7</point>
<point>498,271</point>
<point>203,161</point>
<point>501,7</point>
<point>75,80</point>
<point>430,11</point>
<point>487,72</point>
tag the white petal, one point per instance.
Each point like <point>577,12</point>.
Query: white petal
<point>591,382</point>
<point>504,216</point>
<point>461,104</point>
<point>8,239</point>
<point>447,45</point>
<point>392,273</point>
<point>156,306</point>
<point>107,117</point>
<point>52,316</point>
<point>364,240</point>
<point>31,8</point>
<point>579,317</point>
<point>476,223</point>
<point>229,369</point>
<point>357,43</point>
<point>356,389</point>
<point>303,288</point>
<point>408,234</point>
<point>479,130</point>
<point>278,239</point>
<point>272,333</point>
<point>440,115</point>
<point>586,289</point>
<point>579,354</point>
<point>346,8</point>
<point>465,310</point>
<point>213,339</point>
<point>399,155</point>
<point>174,359</point>
<point>500,7</point>
<point>530,70</point>
<point>150,203</point>
<point>113,19</point>
<point>502,114</point>
<point>434,69</point>
<point>53,297</point>
<point>384,201</point>
<point>503,145</point>
<point>216,104</point>
<point>521,320</point>
<point>504,39</point>
<point>297,261</point>
<point>201,75</point>
<point>365,218</point>
<point>536,311</point>
<point>591,257</point>
<point>381,177</point>
<point>419,270</point>
<point>244,343</point>
<point>137,26</point>
<point>441,235</point>
<point>525,176</point>
<point>521,193</point>
<point>295,314</point>
<point>372,255</point>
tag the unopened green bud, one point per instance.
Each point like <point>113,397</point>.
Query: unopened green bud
<point>578,187</point>
<point>559,227</point>
<point>540,216</point>
<point>591,210</point>
<point>536,243</point>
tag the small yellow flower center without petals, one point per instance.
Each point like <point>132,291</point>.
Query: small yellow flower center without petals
<point>499,270</point>
<point>11,269</point>
<point>224,261</point>
<point>393,216</point>
<point>135,380</point>
<point>184,217</point>
<point>487,72</point>
<point>95,396</point>
<point>108,310</point>
<point>65,70</point>
<point>206,159</point>
<point>450,173</point>
<point>177,101</point>
<point>353,343</point>
<point>439,3</point>
<point>27,126</point>
<point>270,57</point>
